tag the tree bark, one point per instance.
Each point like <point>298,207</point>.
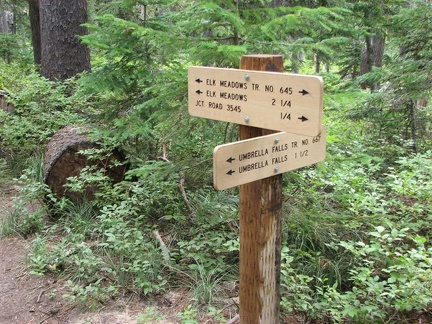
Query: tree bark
<point>35,30</point>
<point>413,121</point>
<point>372,55</point>
<point>366,58</point>
<point>63,160</point>
<point>62,53</point>
<point>7,27</point>
<point>378,43</point>
<point>6,22</point>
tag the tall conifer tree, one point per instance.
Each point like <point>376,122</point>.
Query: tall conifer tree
<point>62,53</point>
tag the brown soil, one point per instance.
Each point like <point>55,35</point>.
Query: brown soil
<point>29,299</point>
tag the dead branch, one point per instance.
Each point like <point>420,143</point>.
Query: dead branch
<point>185,198</point>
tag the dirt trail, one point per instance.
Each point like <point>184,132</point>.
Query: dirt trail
<point>30,299</point>
<point>24,298</point>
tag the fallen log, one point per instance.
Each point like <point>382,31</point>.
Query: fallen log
<point>63,160</point>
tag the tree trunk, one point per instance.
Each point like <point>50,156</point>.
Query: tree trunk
<point>7,27</point>
<point>372,55</point>
<point>63,54</point>
<point>413,123</point>
<point>317,63</point>
<point>6,22</point>
<point>366,59</point>
<point>35,30</point>
<point>378,43</point>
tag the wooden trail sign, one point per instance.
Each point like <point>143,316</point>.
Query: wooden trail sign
<point>278,101</point>
<point>260,157</point>
<point>261,101</point>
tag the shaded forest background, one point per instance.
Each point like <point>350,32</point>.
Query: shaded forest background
<point>357,239</point>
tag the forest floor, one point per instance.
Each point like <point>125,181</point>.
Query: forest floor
<point>26,298</point>
<point>29,299</point>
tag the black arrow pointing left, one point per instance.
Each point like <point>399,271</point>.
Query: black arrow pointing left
<point>230,160</point>
<point>199,80</point>
<point>198,91</point>
<point>230,172</point>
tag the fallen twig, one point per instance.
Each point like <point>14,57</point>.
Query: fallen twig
<point>185,198</point>
<point>234,320</point>
<point>164,249</point>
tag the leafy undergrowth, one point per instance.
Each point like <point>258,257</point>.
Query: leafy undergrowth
<point>356,240</point>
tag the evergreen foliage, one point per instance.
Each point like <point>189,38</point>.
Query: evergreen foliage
<point>401,108</point>
<point>357,234</point>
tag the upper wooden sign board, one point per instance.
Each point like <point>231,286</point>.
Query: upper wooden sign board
<point>286,102</point>
<point>261,157</point>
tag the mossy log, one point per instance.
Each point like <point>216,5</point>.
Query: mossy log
<point>63,160</point>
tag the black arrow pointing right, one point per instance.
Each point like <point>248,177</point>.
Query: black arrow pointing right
<point>198,91</point>
<point>303,118</point>
<point>304,92</point>
<point>230,172</point>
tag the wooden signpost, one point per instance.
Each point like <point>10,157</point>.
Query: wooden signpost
<point>262,101</point>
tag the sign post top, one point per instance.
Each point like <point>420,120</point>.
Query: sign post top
<point>270,100</point>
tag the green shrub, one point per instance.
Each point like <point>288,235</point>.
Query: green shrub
<point>41,108</point>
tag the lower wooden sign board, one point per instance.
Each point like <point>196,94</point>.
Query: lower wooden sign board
<point>261,157</point>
